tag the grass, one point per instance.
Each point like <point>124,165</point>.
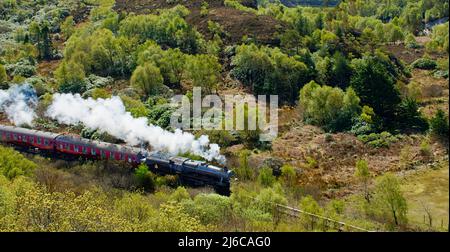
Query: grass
<point>428,189</point>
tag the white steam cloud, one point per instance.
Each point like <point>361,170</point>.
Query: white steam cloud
<point>110,116</point>
<point>19,103</point>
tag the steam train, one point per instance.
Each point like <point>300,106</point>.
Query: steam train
<point>189,172</point>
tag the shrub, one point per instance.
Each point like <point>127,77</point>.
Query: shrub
<point>14,164</point>
<point>266,177</point>
<point>145,178</point>
<point>439,125</point>
<point>378,140</point>
<point>147,79</point>
<point>424,63</point>
<point>329,107</point>
<point>389,202</point>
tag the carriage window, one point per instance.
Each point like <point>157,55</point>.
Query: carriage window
<point>93,151</point>
<point>39,140</point>
<point>61,146</point>
<point>111,155</point>
<point>15,136</point>
<point>45,142</point>
<point>120,156</point>
<point>75,148</point>
<point>103,153</point>
<point>84,150</point>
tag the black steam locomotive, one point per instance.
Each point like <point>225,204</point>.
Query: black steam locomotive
<point>190,172</point>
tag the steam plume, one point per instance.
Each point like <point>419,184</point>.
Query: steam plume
<point>110,116</point>
<point>19,103</point>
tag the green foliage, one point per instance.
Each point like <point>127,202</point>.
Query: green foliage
<point>424,63</point>
<point>160,115</point>
<point>169,28</point>
<point>101,52</point>
<point>389,201</point>
<point>210,208</point>
<point>14,164</point>
<point>147,79</point>
<point>362,173</point>
<point>378,140</point>
<point>135,107</point>
<point>269,71</point>
<point>3,75</point>
<point>329,107</point>
<point>145,178</point>
<point>288,175</point>
<point>266,177</point>
<point>70,76</point>
<point>180,194</point>
<point>374,84</point>
<point>411,42</point>
<point>439,125</point>
<point>40,35</point>
<point>439,39</point>
<point>173,218</point>
<point>409,118</point>
<point>310,205</point>
<point>244,171</point>
<point>171,62</point>
<point>203,71</point>
<point>68,27</point>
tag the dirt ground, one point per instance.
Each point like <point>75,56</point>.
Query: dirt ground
<point>235,22</point>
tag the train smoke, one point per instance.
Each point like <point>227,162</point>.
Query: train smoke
<point>19,103</point>
<point>110,116</point>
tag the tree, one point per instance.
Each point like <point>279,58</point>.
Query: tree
<point>147,79</point>
<point>363,175</point>
<point>40,35</point>
<point>14,164</point>
<point>266,177</point>
<point>329,107</point>
<point>288,175</point>
<point>269,71</point>
<point>389,200</point>
<point>68,27</point>
<point>171,62</point>
<point>409,117</point>
<point>439,125</point>
<point>145,178</point>
<point>203,71</point>
<point>341,71</point>
<point>375,85</point>
<point>310,205</point>
<point>70,76</point>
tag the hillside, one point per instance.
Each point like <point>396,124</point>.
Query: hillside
<point>362,111</point>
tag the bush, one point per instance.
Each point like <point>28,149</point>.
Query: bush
<point>145,178</point>
<point>409,117</point>
<point>14,164</point>
<point>439,125</point>
<point>389,203</point>
<point>329,107</point>
<point>378,140</point>
<point>424,63</point>
<point>147,79</point>
<point>210,208</point>
<point>266,177</point>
